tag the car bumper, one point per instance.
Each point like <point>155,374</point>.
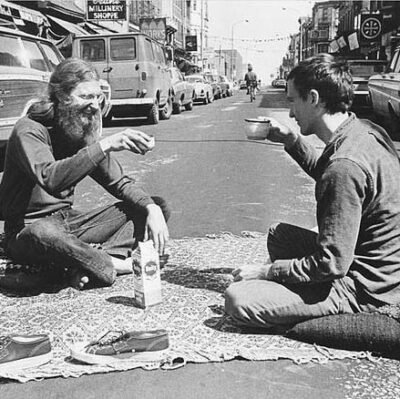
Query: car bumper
<point>132,101</point>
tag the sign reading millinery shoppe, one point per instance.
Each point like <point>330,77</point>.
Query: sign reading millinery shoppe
<point>106,10</point>
<point>154,27</point>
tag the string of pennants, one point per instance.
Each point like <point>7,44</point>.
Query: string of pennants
<point>272,39</point>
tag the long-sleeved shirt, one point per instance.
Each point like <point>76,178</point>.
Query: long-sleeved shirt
<point>41,172</point>
<point>358,212</point>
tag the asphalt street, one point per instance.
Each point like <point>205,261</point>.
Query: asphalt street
<point>216,180</point>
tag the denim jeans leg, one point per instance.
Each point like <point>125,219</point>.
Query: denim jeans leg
<point>49,242</point>
<point>266,304</point>
<point>117,227</point>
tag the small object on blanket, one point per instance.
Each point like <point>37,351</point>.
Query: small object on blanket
<point>146,275</point>
<point>112,349</point>
<point>373,332</point>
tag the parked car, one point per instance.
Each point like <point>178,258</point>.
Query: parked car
<point>280,83</point>
<point>384,94</point>
<point>183,92</point>
<point>135,66</point>
<point>242,84</point>
<point>214,82</point>
<point>229,85</point>
<point>26,63</point>
<point>202,88</point>
<point>224,86</point>
<point>361,71</point>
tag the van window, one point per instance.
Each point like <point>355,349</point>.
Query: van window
<point>33,57</point>
<point>93,50</point>
<point>123,48</point>
<point>9,50</point>
<point>148,49</point>
<point>159,53</point>
<point>51,55</point>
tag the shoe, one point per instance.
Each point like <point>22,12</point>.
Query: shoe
<point>141,346</point>
<point>18,352</point>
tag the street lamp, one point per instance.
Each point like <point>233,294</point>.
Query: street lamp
<point>233,25</point>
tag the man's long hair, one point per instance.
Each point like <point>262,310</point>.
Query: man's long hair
<point>66,76</point>
<point>330,78</point>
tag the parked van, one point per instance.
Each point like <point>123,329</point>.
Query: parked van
<point>135,67</point>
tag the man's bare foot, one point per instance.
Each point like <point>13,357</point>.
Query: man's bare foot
<point>122,266</point>
<point>78,280</point>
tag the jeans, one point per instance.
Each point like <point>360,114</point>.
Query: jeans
<point>64,239</point>
<point>266,304</point>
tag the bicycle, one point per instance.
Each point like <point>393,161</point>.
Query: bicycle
<point>252,92</point>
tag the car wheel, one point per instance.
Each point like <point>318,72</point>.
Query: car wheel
<point>189,106</point>
<point>154,115</point>
<point>177,107</point>
<point>166,112</point>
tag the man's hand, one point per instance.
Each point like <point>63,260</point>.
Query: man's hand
<point>156,228</point>
<point>129,139</point>
<point>251,272</point>
<point>279,133</point>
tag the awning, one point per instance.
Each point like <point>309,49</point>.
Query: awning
<point>68,26</point>
<point>95,29</point>
<point>20,14</point>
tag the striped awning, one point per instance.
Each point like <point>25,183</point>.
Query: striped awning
<point>20,14</point>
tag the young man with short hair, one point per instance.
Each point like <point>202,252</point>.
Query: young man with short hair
<point>353,263</point>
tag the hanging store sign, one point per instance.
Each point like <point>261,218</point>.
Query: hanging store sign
<point>371,26</point>
<point>191,43</point>
<point>154,27</point>
<point>106,10</point>
<point>353,41</point>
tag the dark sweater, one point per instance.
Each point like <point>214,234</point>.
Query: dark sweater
<point>41,173</point>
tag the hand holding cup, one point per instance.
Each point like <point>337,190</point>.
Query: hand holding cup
<point>128,139</point>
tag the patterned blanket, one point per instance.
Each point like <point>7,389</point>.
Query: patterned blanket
<point>193,284</point>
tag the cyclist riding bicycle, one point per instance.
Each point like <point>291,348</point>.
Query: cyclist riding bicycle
<point>250,78</point>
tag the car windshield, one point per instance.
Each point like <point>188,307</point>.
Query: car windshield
<point>366,69</point>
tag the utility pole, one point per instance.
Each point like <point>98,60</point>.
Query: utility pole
<point>201,34</point>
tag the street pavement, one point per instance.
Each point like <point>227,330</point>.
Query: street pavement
<point>216,180</point>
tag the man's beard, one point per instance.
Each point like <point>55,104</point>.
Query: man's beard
<point>79,128</point>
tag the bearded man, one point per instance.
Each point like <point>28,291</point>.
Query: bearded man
<point>49,152</point>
